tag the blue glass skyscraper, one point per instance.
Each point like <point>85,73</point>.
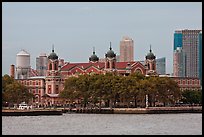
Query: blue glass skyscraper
<point>178,39</point>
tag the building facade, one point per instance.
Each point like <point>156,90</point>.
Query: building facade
<point>179,63</point>
<point>191,48</point>
<point>47,88</point>
<point>161,66</point>
<point>41,64</point>
<point>191,43</point>
<point>126,49</point>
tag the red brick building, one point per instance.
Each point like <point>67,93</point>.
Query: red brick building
<point>46,89</point>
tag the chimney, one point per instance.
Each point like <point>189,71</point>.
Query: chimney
<point>12,71</point>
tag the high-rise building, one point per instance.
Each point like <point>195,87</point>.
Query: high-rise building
<point>126,50</point>
<point>191,48</point>
<point>41,64</point>
<point>191,43</point>
<point>161,66</point>
<point>178,39</point>
<point>179,63</point>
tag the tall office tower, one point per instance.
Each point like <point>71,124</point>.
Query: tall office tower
<point>191,43</point>
<point>126,50</point>
<point>161,66</point>
<point>41,64</point>
<point>179,63</point>
<point>178,39</point>
<point>191,48</point>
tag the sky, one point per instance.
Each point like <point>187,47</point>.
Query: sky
<point>74,28</point>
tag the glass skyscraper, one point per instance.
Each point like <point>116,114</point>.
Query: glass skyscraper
<point>191,43</point>
<point>178,39</point>
<point>161,66</point>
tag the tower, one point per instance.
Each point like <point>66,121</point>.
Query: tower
<point>150,63</point>
<point>23,64</point>
<point>179,63</point>
<point>126,50</point>
<point>93,57</point>
<point>110,60</point>
<point>12,71</point>
<point>41,64</point>
<point>53,76</point>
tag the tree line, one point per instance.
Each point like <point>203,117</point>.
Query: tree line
<point>111,89</point>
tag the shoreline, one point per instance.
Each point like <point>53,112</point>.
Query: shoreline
<point>30,112</point>
<point>60,111</point>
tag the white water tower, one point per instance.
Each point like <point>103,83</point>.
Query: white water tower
<point>22,64</point>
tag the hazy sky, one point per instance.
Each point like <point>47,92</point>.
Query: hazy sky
<point>75,28</point>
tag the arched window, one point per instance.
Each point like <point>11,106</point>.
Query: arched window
<point>113,64</point>
<point>50,67</point>
<point>148,66</point>
<point>55,66</point>
<point>108,64</point>
<point>138,71</point>
<point>153,66</point>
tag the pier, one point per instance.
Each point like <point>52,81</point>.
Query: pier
<point>30,112</point>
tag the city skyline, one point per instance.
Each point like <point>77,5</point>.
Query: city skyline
<point>75,28</point>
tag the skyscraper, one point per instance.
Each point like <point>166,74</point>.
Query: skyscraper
<point>161,66</point>
<point>41,64</point>
<point>191,48</point>
<point>179,65</point>
<point>191,43</point>
<point>178,40</point>
<point>126,50</point>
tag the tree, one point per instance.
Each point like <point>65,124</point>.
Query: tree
<point>70,90</point>
<point>14,92</point>
<point>192,96</point>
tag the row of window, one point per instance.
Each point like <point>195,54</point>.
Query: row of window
<point>31,82</point>
<point>188,82</point>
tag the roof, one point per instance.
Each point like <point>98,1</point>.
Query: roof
<point>23,52</point>
<point>99,65</point>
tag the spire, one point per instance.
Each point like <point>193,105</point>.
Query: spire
<point>110,46</point>
<point>93,50</point>
<point>150,48</point>
<point>52,47</point>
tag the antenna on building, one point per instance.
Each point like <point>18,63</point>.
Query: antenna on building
<point>93,50</point>
<point>110,46</point>
<point>150,48</point>
<point>52,47</point>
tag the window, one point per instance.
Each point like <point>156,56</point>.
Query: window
<point>55,66</point>
<point>57,89</point>
<point>50,67</point>
<point>49,89</point>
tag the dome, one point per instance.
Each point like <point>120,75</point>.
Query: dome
<point>150,55</point>
<point>110,53</point>
<point>93,57</point>
<point>53,55</point>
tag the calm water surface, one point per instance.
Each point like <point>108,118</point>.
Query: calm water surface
<point>104,124</point>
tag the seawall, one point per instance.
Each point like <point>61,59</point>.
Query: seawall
<point>157,110</point>
<point>30,112</point>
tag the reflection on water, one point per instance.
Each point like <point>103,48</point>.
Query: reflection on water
<point>104,124</point>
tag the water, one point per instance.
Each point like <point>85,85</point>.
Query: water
<point>104,124</point>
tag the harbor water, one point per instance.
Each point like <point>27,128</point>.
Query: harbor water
<point>104,124</point>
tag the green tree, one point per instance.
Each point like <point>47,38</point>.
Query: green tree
<point>16,93</point>
<point>192,96</point>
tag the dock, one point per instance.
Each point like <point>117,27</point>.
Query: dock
<point>31,112</point>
